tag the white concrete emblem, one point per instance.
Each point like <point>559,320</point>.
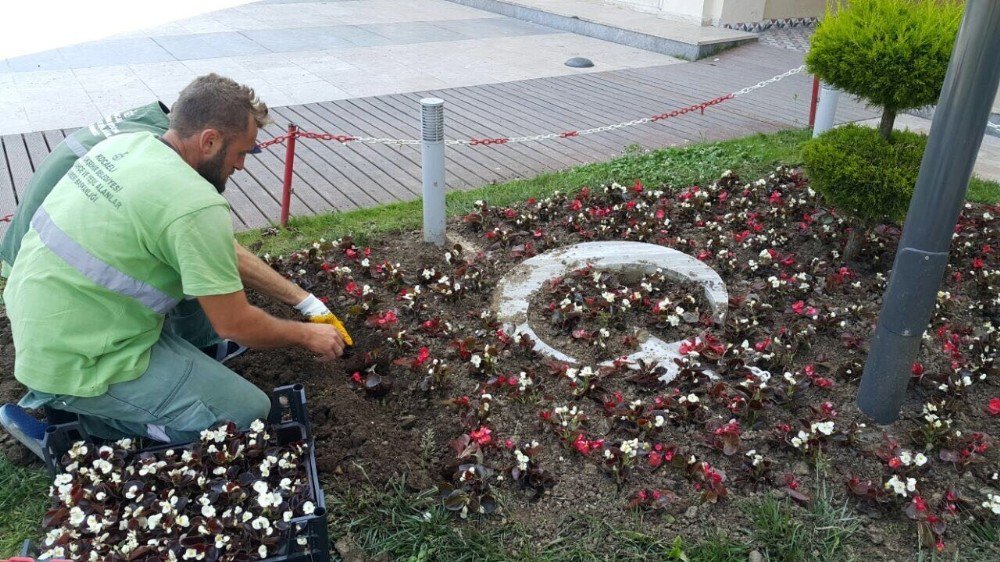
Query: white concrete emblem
<point>510,301</point>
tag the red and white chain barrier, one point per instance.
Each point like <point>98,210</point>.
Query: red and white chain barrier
<point>700,107</point>
<point>435,185</point>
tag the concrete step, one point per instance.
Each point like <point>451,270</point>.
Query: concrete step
<point>620,25</point>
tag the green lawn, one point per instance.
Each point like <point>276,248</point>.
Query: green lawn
<point>388,520</point>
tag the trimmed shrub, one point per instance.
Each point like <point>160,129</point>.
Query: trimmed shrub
<point>863,175</point>
<point>892,53</point>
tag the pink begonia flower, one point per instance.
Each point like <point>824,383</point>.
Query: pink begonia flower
<point>482,436</point>
<point>994,407</point>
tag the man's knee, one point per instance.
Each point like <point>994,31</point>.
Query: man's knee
<point>255,404</point>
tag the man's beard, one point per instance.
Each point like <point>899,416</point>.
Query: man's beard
<point>212,170</point>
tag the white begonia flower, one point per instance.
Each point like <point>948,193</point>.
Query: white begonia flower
<point>476,361</point>
<point>76,516</point>
<point>911,484</point>
<point>262,551</point>
<point>610,297</point>
<point>257,426</point>
<point>153,521</point>
<point>801,439</point>
<point>992,503</point>
<point>522,460</point>
<point>905,458</point>
<point>260,487</point>
<point>693,398</point>
<point>919,459</point>
<point>826,428</point>
<point>308,508</point>
<point>208,511</point>
<point>896,485</point>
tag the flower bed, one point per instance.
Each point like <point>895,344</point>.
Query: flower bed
<point>595,315</point>
<point>762,404</point>
<point>231,496</point>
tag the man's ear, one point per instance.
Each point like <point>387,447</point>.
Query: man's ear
<point>210,142</point>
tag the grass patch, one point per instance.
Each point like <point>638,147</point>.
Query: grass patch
<point>783,532</point>
<point>750,156</point>
<point>23,500</point>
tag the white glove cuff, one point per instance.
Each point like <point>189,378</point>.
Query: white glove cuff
<point>312,306</point>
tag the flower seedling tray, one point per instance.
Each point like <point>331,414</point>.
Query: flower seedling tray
<point>306,537</point>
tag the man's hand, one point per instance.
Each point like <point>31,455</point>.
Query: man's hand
<point>324,340</point>
<point>317,312</point>
<point>236,319</point>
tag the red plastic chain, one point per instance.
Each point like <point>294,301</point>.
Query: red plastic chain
<point>488,142</point>
<point>7,218</point>
<point>326,136</point>
<point>569,134</point>
<point>698,106</point>
<point>308,135</point>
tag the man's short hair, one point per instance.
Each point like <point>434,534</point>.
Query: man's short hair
<point>216,102</point>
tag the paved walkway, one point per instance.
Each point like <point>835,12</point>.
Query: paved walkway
<point>296,52</point>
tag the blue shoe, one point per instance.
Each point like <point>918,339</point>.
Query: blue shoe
<point>224,351</point>
<point>21,426</point>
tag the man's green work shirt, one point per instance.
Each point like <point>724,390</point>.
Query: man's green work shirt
<point>146,218</point>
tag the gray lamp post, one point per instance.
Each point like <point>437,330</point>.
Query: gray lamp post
<point>956,134</point>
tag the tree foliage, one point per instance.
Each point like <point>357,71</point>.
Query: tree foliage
<point>892,53</point>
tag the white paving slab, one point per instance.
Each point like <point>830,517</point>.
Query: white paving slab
<point>398,52</point>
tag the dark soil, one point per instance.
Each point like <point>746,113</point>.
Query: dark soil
<point>800,310</point>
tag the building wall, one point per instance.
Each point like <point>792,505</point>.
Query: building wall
<point>721,12</point>
<point>779,9</point>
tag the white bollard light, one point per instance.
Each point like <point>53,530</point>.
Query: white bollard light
<point>432,167</point>
<point>826,110</point>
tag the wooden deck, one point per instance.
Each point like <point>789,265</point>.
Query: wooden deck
<point>330,176</point>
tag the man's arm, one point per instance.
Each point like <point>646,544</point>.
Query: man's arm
<point>259,276</point>
<point>233,317</point>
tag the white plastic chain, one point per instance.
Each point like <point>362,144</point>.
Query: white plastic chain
<point>994,126</point>
<point>768,82</point>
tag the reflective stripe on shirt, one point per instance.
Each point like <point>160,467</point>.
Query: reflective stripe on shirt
<point>75,146</point>
<point>96,270</point>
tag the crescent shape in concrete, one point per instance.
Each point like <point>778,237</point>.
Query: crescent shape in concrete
<point>510,301</point>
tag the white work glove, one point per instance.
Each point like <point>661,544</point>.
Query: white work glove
<point>312,306</point>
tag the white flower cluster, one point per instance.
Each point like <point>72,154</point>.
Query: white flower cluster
<point>900,487</point>
<point>992,503</point>
<point>918,459</point>
<point>816,429</point>
<point>522,460</point>
<point>575,375</point>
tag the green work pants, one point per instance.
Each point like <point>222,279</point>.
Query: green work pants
<point>182,392</point>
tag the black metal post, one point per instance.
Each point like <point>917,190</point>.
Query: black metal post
<point>956,134</point>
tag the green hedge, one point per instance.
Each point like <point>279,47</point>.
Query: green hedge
<point>863,175</point>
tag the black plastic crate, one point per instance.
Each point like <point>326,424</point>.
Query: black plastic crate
<point>289,421</point>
